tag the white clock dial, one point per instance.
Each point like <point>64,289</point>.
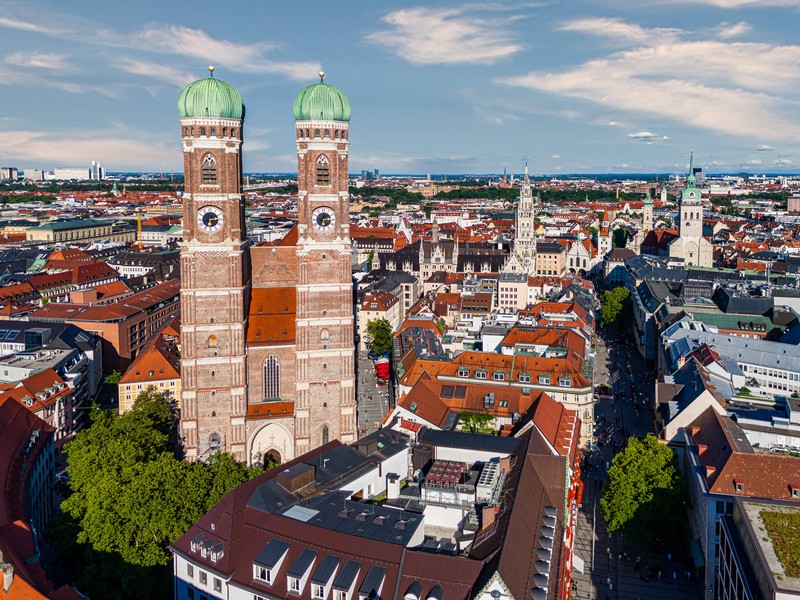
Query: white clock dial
<point>209,218</point>
<point>323,219</point>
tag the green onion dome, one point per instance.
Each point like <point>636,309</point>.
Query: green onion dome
<point>210,97</point>
<point>321,102</point>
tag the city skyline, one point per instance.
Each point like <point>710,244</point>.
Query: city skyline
<point>589,87</point>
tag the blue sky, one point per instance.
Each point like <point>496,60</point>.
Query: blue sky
<point>571,86</point>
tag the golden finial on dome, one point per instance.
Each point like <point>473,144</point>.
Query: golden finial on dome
<point>211,70</point>
<point>321,76</point>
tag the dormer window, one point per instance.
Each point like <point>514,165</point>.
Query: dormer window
<point>480,374</point>
<point>524,378</point>
<point>795,490</point>
<point>565,381</point>
<point>544,379</point>
<point>463,372</point>
<point>262,574</point>
<point>499,376</point>
<point>739,485</point>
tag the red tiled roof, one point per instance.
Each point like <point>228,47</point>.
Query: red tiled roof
<point>270,410</point>
<point>120,310</point>
<point>273,312</point>
<point>728,458</point>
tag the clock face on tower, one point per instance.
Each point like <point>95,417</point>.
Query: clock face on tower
<point>323,219</point>
<point>209,218</point>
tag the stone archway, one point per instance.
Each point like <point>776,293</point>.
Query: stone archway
<point>270,438</point>
<point>272,456</point>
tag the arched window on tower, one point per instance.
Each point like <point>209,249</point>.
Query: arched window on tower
<point>323,171</point>
<point>325,434</point>
<point>209,169</point>
<point>212,341</point>
<point>272,377</point>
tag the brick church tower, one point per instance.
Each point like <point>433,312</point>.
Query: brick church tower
<point>325,406</point>
<point>214,271</point>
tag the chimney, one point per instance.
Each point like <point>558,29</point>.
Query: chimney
<point>488,516</point>
<point>505,464</point>
<point>8,576</point>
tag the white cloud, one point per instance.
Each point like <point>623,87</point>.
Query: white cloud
<point>613,123</point>
<point>196,43</point>
<point>117,148</point>
<point>754,161</point>
<point>643,135</point>
<point>10,23</point>
<point>743,88</point>
<point>556,156</point>
<point>764,148</point>
<point>444,36</point>
<point>727,31</point>
<point>739,3</point>
<point>175,40</point>
<point>158,71</point>
<point>782,162</point>
<point>41,60</point>
<point>616,29</point>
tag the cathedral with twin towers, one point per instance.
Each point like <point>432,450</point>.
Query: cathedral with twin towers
<point>267,365</point>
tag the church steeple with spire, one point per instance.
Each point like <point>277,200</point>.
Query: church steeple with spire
<point>690,244</point>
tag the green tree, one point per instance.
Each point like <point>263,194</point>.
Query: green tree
<point>644,496</point>
<point>614,306</point>
<point>476,421</point>
<point>113,377</point>
<point>379,334</point>
<point>131,496</point>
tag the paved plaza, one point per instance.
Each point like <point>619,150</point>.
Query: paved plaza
<point>613,568</point>
<point>374,400</point>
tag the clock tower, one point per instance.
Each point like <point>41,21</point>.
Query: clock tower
<point>214,271</point>
<point>325,406</point>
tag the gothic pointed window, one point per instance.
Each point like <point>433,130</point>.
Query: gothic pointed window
<point>272,377</point>
<point>323,171</point>
<point>325,434</point>
<point>209,169</point>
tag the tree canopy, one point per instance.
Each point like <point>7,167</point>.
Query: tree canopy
<point>614,306</point>
<point>130,494</point>
<point>379,333</point>
<point>644,496</point>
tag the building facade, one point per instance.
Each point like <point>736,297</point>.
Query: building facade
<point>267,369</point>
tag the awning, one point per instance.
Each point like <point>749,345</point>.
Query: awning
<point>577,563</point>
